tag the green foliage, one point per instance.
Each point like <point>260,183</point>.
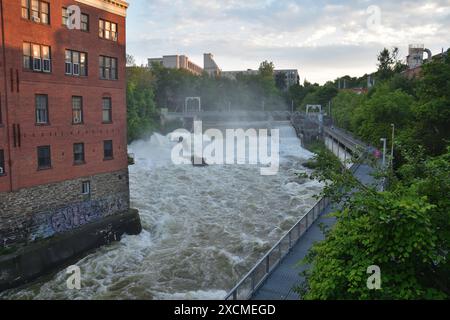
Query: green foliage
<point>247,92</point>
<point>373,119</point>
<point>388,64</point>
<point>141,109</point>
<point>343,107</point>
<point>405,231</point>
<point>432,110</point>
<point>391,230</point>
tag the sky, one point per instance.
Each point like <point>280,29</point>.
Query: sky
<point>322,39</point>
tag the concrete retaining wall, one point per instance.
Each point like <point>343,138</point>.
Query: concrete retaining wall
<point>45,256</point>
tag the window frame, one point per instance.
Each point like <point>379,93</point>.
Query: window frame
<point>110,157</point>
<point>2,162</point>
<point>83,190</point>
<point>29,10</point>
<point>29,59</point>
<point>65,19</point>
<point>109,109</point>
<point>80,110</point>
<point>106,68</point>
<point>45,166</point>
<point>82,153</point>
<point>37,115</point>
<point>103,30</point>
<point>82,66</point>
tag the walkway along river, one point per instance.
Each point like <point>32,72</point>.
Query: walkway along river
<point>204,227</point>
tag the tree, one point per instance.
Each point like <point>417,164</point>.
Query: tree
<point>141,109</point>
<point>432,111</point>
<point>266,69</point>
<point>130,61</point>
<point>388,64</point>
<point>405,231</point>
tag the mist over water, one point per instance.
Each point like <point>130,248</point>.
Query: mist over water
<point>203,227</point>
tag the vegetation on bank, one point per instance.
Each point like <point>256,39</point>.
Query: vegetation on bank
<point>151,89</point>
<point>404,230</point>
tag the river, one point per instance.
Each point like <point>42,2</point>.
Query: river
<point>203,227</point>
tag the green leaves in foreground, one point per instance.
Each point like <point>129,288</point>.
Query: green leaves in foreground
<point>404,231</point>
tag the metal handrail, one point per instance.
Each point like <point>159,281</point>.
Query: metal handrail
<point>269,266</point>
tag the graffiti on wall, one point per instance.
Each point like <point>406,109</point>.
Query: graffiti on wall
<point>70,217</point>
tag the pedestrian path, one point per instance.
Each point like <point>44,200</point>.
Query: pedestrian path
<point>280,284</point>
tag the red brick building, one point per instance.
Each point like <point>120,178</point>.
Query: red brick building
<point>63,147</point>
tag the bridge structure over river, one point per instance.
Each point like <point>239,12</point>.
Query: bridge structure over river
<point>234,115</point>
<point>277,274</point>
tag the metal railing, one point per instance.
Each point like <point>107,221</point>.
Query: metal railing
<point>256,277</point>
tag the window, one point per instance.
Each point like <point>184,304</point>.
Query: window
<point>2,162</point>
<point>107,149</point>
<point>76,63</point>
<point>77,110</point>
<point>106,108</point>
<point>65,17</point>
<point>36,10</point>
<point>78,153</point>
<point>37,57</point>
<point>44,158</point>
<point>86,187</point>
<point>108,68</point>
<point>41,109</point>
<point>107,30</point>
<point>84,23</point>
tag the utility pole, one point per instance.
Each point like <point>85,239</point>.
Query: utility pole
<point>392,146</point>
<point>384,140</point>
<point>292,107</point>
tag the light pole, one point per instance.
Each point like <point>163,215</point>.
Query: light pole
<point>384,151</point>
<point>392,145</point>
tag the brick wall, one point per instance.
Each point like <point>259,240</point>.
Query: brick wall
<point>19,87</point>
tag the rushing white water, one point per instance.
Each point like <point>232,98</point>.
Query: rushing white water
<point>203,227</point>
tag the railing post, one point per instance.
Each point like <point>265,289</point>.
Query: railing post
<point>253,282</point>
<point>235,294</point>
<point>268,264</point>
<point>290,241</point>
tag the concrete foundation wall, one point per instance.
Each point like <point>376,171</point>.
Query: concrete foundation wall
<point>44,211</point>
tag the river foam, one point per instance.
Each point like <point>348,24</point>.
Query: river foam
<point>203,228</point>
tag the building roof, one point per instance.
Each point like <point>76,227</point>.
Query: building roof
<point>118,7</point>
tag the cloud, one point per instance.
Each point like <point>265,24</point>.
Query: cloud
<point>323,39</point>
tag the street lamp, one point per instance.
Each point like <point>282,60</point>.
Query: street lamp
<point>392,145</point>
<point>384,140</point>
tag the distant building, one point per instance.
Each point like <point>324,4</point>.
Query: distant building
<point>233,74</point>
<point>291,77</point>
<point>415,59</point>
<point>177,62</point>
<point>210,66</point>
